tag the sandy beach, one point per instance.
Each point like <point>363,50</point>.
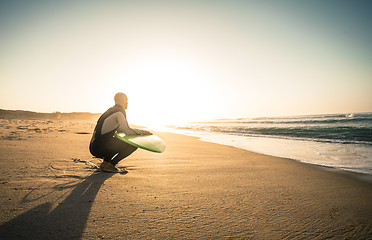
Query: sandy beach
<point>50,189</point>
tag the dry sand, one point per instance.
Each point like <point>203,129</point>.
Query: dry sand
<point>194,190</point>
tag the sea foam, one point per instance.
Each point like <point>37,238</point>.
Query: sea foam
<point>342,141</point>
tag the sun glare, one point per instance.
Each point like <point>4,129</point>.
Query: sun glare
<point>164,91</point>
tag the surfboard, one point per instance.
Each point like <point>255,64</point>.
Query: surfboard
<point>151,143</point>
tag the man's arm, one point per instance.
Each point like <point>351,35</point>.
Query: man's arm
<point>124,127</point>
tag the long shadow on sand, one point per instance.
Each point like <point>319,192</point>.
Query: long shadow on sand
<point>66,221</point>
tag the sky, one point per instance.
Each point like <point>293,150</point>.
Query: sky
<point>187,60</point>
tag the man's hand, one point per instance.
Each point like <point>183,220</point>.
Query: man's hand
<point>142,132</point>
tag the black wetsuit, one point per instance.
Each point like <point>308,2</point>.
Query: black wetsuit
<point>103,143</point>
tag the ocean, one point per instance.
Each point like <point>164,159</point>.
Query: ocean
<point>342,141</point>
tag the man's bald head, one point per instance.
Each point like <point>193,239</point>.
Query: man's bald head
<point>121,99</point>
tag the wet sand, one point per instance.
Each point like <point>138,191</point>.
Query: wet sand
<point>194,190</point>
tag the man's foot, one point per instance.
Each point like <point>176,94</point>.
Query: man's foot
<point>103,164</point>
<point>110,168</point>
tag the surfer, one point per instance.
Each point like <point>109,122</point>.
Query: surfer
<point>103,143</point>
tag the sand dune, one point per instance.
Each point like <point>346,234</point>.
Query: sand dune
<point>26,115</point>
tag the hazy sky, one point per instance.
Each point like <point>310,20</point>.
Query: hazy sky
<point>187,60</point>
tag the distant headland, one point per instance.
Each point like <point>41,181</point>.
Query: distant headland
<point>22,114</point>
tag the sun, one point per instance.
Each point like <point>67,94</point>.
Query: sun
<point>164,90</point>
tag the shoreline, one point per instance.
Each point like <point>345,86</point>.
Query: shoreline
<point>364,177</point>
<point>258,144</point>
<point>195,189</point>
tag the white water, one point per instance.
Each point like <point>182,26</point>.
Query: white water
<point>349,157</point>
